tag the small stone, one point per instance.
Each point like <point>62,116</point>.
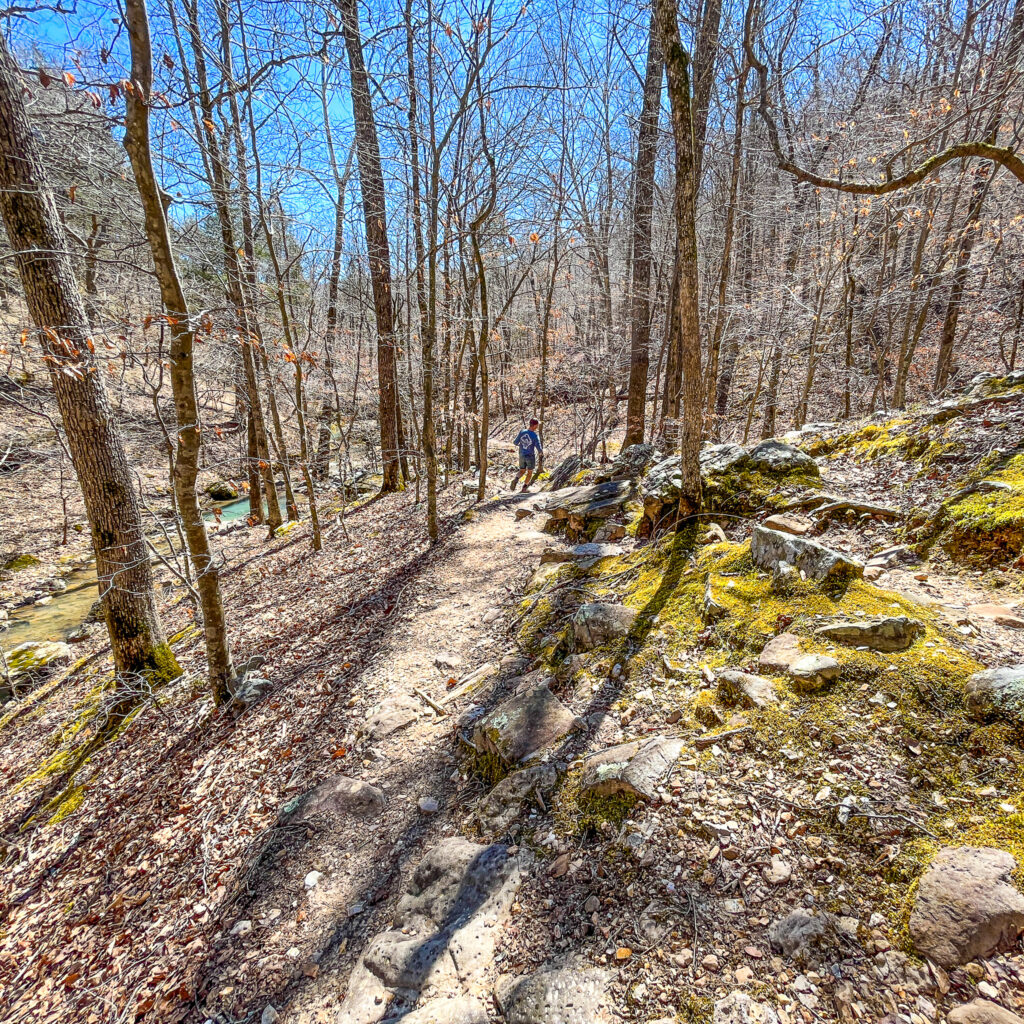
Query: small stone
<point>787,524</point>
<point>427,804</point>
<point>312,879</point>
<point>241,928</point>
<point>592,904</point>
<point>269,1015</point>
<point>710,962</point>
<point>744,975</point>
<point>779,872</point>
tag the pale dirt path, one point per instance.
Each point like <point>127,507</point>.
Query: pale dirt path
<point>304,941</point>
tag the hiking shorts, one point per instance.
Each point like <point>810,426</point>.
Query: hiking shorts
<point>527,460</point>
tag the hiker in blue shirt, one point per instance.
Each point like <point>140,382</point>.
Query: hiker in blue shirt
<point>528,444</point>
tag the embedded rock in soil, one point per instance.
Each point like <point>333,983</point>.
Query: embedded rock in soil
<point>806,937</point>
<point>813,671</point>
<point>566,995</point>
<point>982,1011</point>
<point>563,473</point>
<point>444,934</point>
<point>579,553</point>
<point>497,811</point>
<point>776,457</point>
<point>748,690</point>
<point>391,716</point>
<point>892,633</point>
<point>966,906</point>
<point>443,1010</point>
<point>739,1008</point>
<point>996,693</point>
<point>1000,614</point>
<point>787,524</point>
<point>636,768</point>
<point>526,723</point>
<point>770,547</point>
<point>713,609</point>
<point>337,796</point>
<point>34,658</point>
<point>596,624</point>
<point>779,653</point>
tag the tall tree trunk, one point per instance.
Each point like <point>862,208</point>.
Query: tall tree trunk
<point>643,208</point>
<point>41,255</point>
<point>678,75</point>
<point>371,183</point>
<point>426,290</point>
<point>186,407</point>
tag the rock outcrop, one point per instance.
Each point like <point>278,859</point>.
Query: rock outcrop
<point>996,693</point>
<point>637,768</point>
<point>601,622</point>
<point>770,548</point>
<point>523,725</point>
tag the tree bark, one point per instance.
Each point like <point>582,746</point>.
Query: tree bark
<point>371,184</point>
<point>51,294</point>
<point>186,407</point>
<point>643,209</point>
<point>677,73</point>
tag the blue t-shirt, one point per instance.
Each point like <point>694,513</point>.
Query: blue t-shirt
<point>527,441</point>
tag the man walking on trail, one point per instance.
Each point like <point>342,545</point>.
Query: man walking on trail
<point>528,444</point>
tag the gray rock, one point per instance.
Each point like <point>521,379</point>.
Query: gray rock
<point>391,716</point>
<point>580,553</point>
<point>720,458</point>
<point>636,768</point>
<point>269,1015</point>
<point>596,501</point>
<point>338,796</point>
<point>806,937</point>
<point>740,1008</point>
<point>891,633</point>
<point>566,995</point>
<point>562,475</point>
<point>454,1010</point>
<point>444,935</point>
<point>506,803</point>
<point>251,690</point>
<point>529,721</point>
<point>748,690</point>
<point>982,1011</point>
<point>776,458</point>
<point>813,671</point>
<point>599,623</point>
<point>996,693</point>
<point>770,547</point>
<point>966,906</point>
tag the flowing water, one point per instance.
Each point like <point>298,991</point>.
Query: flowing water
<point>66,611</point>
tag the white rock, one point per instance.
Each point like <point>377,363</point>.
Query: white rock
<point>311,880</point>
<point>241,928</point>
<point>427,804</point>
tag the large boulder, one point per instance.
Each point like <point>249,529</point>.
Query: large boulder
<point>601,622</point>
<point>563,995</point>
<point>721,458</point>
<point>780,459</point>
<point>769,548</point>
<point>562,475</point>
<point>636,768</point>
<point>596,501</point>
<point>525,724</point>
<point>996,693</point>
<point>889,633</point>
<point>966,906</point>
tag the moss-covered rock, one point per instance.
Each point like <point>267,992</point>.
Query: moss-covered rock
<point>18,562</point>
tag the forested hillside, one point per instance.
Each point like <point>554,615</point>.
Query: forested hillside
<point>512,512</point>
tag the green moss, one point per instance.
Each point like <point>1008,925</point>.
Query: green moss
<point>744,491</point>
<point>19,562</point>
<point>577,813</point>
